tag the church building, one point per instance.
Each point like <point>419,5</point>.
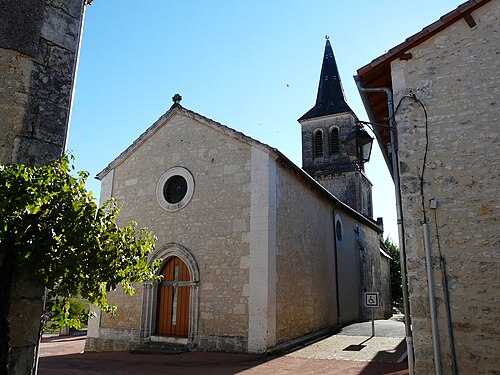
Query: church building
<point>255,250</point>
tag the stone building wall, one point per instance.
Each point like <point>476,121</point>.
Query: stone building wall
<point>385,287</point>
<point>214,226</point>
<point>455,74</point>
<point>349,268</point>
<point>305,290</point>
<point>352,188</point>
<point>39,43</point>
<point>375,272</point>
<point>344,123</point>
<point>335,171</point>
<point>307,250</point>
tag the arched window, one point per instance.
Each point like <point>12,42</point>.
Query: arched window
<point>318,144</point>
<point>334,141</point>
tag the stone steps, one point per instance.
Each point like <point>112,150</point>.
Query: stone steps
<point>153,347</point>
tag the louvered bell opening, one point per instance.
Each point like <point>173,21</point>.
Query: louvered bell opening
<point>318,144</point>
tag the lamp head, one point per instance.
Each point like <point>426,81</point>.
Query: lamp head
<point>358,145</point>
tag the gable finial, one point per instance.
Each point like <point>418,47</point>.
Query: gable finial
<point>176,98</point>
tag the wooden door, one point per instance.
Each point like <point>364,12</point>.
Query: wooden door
<point>172,317</point>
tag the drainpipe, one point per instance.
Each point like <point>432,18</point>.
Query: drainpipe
<point>335,248</point>
<point>432,298</point>
<point>399,210</point>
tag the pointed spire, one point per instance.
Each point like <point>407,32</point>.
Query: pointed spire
<point>330,98</point>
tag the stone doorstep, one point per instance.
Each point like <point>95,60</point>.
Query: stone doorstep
<point>299,342</point>
<point>159,347</point>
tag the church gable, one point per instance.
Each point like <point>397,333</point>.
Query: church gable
<point>213,226</point>
<point>217,163</point>
<point>174,111</point>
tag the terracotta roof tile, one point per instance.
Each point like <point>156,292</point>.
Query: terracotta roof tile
<point>424,34</point>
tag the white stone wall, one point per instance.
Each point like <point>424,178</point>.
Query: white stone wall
<point>455,74</point>
<point>305,288</point>
<point>214,226</point>
<point>262,286</point>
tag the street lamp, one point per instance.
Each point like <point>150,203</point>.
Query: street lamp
<point>358,145</point>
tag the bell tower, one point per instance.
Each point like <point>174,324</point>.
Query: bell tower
<point>324,129</point>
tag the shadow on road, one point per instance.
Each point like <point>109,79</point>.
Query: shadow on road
<point>64,355</point>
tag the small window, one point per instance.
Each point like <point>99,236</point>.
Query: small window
<point>339,230</point>
<point>335,143</point>
<point>318,144</point>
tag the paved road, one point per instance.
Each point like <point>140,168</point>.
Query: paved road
<point>383,328</point>
<point>339,354</point>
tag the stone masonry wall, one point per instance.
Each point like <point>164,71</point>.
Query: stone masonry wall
<point>39,41</point>
<point>342,185</point>
<point>385,287</point>
<point>455,74</point>
<point>214,226</point>
<point>352,188</point>
<point>305,290</point>
<point>335,171</point>
<point>338,162</point>
<point>375,273</point>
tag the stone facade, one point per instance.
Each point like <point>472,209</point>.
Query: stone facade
<point>333,169</point>
<point>39,43</point>
<point>456,76</point>
<point>258,234</point>
<point>214,226</point>
<point>305,264</point>
<point>451,183</point>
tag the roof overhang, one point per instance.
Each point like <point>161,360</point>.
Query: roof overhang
<point>378,72</point>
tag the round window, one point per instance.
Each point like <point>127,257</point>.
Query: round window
<point>338,230</point>
<point>175,189</point>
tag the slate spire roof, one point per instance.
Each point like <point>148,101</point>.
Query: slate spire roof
<point>330,99</point>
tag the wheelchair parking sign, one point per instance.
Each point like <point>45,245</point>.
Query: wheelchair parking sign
<point>371,299</point>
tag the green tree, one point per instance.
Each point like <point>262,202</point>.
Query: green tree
<point>66,312</point>
<point>396,285</point>
<point>51,226</point>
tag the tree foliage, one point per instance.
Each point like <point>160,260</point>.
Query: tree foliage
<point>396,283</point>
<point>66,312</point>
<point>54,227</point>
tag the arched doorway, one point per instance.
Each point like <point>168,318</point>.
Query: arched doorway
<point>172,309</point>
<point>151,305</point>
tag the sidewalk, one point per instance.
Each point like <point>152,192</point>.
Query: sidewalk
<point>343,353</point>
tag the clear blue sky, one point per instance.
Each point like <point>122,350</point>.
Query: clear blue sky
<point>251,65</point>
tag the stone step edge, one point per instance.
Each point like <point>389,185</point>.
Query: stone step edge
<point>150,347</point>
